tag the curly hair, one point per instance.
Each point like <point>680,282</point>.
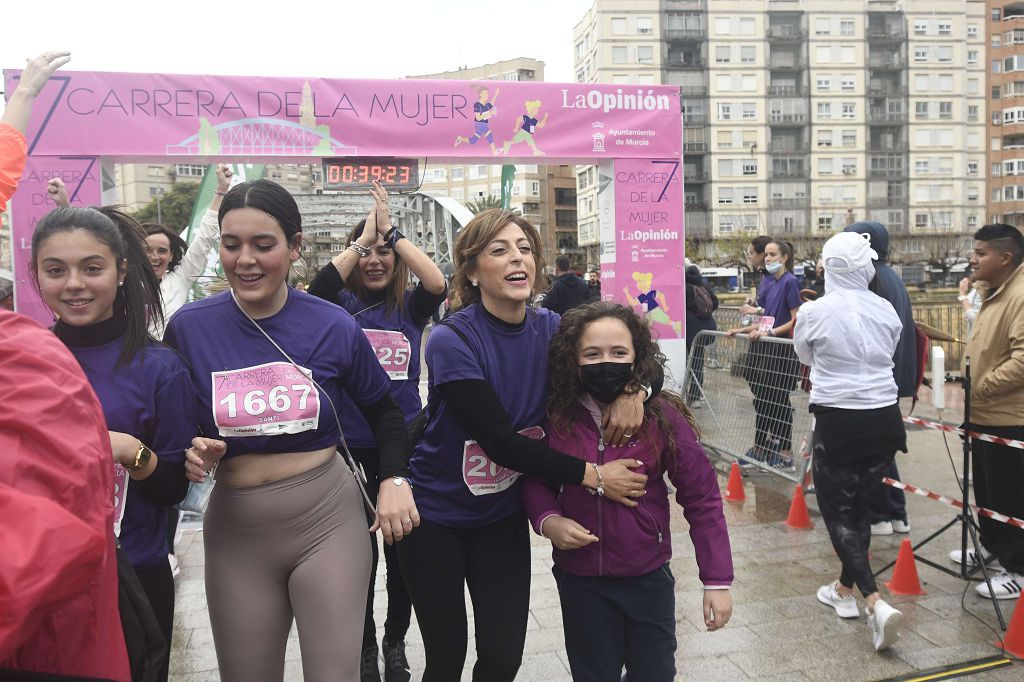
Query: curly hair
<point>474,238</point>
<point>648,366</point>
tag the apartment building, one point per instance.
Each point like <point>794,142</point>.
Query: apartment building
<point>545,195</point>
<point>802,116</point>
<point>1004,31</point>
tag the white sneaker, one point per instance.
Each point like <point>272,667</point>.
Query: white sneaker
<point>1006,585</point>
<point>901,526</point>
<point>173,561</point>
<point>972,560</point>
<point>846,607</point>
<point>885,622</point>
<point>881,528</point>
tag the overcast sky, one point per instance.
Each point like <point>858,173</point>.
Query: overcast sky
<point>338,39</point>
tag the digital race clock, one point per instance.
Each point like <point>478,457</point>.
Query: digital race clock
<point>357,173</point>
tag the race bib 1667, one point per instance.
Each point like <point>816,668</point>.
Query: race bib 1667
<point>264,400</point>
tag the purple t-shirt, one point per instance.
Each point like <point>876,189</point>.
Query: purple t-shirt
<point>250,395</point>
<point>150,399</point>
<point>396,338</point>
<point>454,482</point>
<point>779,296</point>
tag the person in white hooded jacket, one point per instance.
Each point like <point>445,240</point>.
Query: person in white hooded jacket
<point>848,338</point>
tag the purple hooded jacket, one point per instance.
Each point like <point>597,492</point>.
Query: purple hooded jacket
<point>635,541</point>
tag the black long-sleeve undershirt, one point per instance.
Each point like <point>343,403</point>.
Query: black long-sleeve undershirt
<point>391,436</point>
<point>479,412</point>
<point>166,485</point>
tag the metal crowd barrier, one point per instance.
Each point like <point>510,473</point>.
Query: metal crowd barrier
<point>749,400</point>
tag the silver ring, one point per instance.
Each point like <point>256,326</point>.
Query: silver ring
<point>628,435</point>
<point>407,523</point>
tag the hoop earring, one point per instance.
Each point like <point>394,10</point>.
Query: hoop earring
<point>473,282</point>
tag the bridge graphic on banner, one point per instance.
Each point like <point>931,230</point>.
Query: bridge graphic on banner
<point>260,136</point>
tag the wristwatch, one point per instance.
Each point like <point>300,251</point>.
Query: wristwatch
<point>392,237</point>
<point>142,457</point>
<point>400,481</point>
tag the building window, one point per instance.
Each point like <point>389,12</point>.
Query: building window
<point>722,54</point>
<point>849,110</point>
<point>972,167</point>
<point>749,111</point>
<point>995,41</point>
<point>972,194</point>
<point>920,109</point>
<point>921,167</point>
<point>920,54</point>
<point>645,27</point>
<point>724,111</point>
<point>920,27</point>
<point>619,55</point>
<point>824,138</point>
<point>849,138</point>
<point>618,26</point>
<point>749,195</point>
<point>846,27</point>
<point>849,166</point>
<point>156,171</point>
<point>945,28</point>
<point>748,54</point>
<point>725,195</point>
<point>824,110</point>
<point>972,30</point>
<point>824,166</point>
<point>972,112</point>
<point>972,221</point>
<point>189,170</point>
<point>645,54</point>
<point>972,57</point>
<point>995,92</point>
<point>920,220</point>
<point>458,172</point>
<point>848,83</point>
<point>824,83</point>
<point>945,54</point>
<point>822,27</point>
<point>825,223</point>
<point>750,167</point>
<point>945,110</point>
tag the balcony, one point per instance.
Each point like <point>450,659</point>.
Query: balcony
<point>789,167</point>
<point>888,172</point>
<point>786,147</point>
<point>685,35</point>
<point>782,118</point>
<point>693,175</point>
<point>879,147</point>
<point>886,34</point>
<point>876,116</point>
<point>887,62</point>
<point>695,147</point>
<point>680,62</point>
<point>887,90</point>
<point>784,91</point>
<point>786,33</point>
<point>787,63</point>
<point>887,202</point>
<point>695,221</point>
<point>788,203</point>
<point>693,120</point>
<point>693,90</point>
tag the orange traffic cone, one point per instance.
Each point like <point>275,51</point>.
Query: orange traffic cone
<point>1013,642</point>
<point>904,576</point>
<point>734,491</point>
<point>798,516</point>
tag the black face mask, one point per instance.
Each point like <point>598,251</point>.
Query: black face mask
<point>605,381</point>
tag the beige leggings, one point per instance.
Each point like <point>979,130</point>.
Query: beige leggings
<point>291,548</point>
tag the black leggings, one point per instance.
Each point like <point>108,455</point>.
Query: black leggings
<point>396,624</point>
<point>843,490</point>
<point>772,373</point>
<point>158,584</point>
<point>438,563</point>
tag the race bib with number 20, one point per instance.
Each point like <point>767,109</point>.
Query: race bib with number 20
<point>264,400</point>
<point>485,477</point>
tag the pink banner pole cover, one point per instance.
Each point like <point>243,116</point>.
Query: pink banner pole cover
<point>30,203</point>
<point>649,243</point>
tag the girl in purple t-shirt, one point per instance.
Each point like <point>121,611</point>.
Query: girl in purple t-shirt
<point>611,562</point>
<point>772,367</point>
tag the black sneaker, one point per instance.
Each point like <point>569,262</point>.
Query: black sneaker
<point>369,670</point>
<point>396,665</point>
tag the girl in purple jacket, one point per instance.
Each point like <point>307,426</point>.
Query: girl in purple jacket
<point>611,561</point>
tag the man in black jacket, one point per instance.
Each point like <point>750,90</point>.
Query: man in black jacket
<point>568,289</point>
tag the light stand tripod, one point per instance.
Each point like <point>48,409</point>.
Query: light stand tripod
<point>968,524</point>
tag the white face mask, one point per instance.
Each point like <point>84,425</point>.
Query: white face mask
<point>772,268</point>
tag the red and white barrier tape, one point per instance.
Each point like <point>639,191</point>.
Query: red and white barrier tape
<point>953,429</point>
<point>980,511</point>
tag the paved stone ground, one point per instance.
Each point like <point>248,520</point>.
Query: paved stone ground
<point>778,631</point>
